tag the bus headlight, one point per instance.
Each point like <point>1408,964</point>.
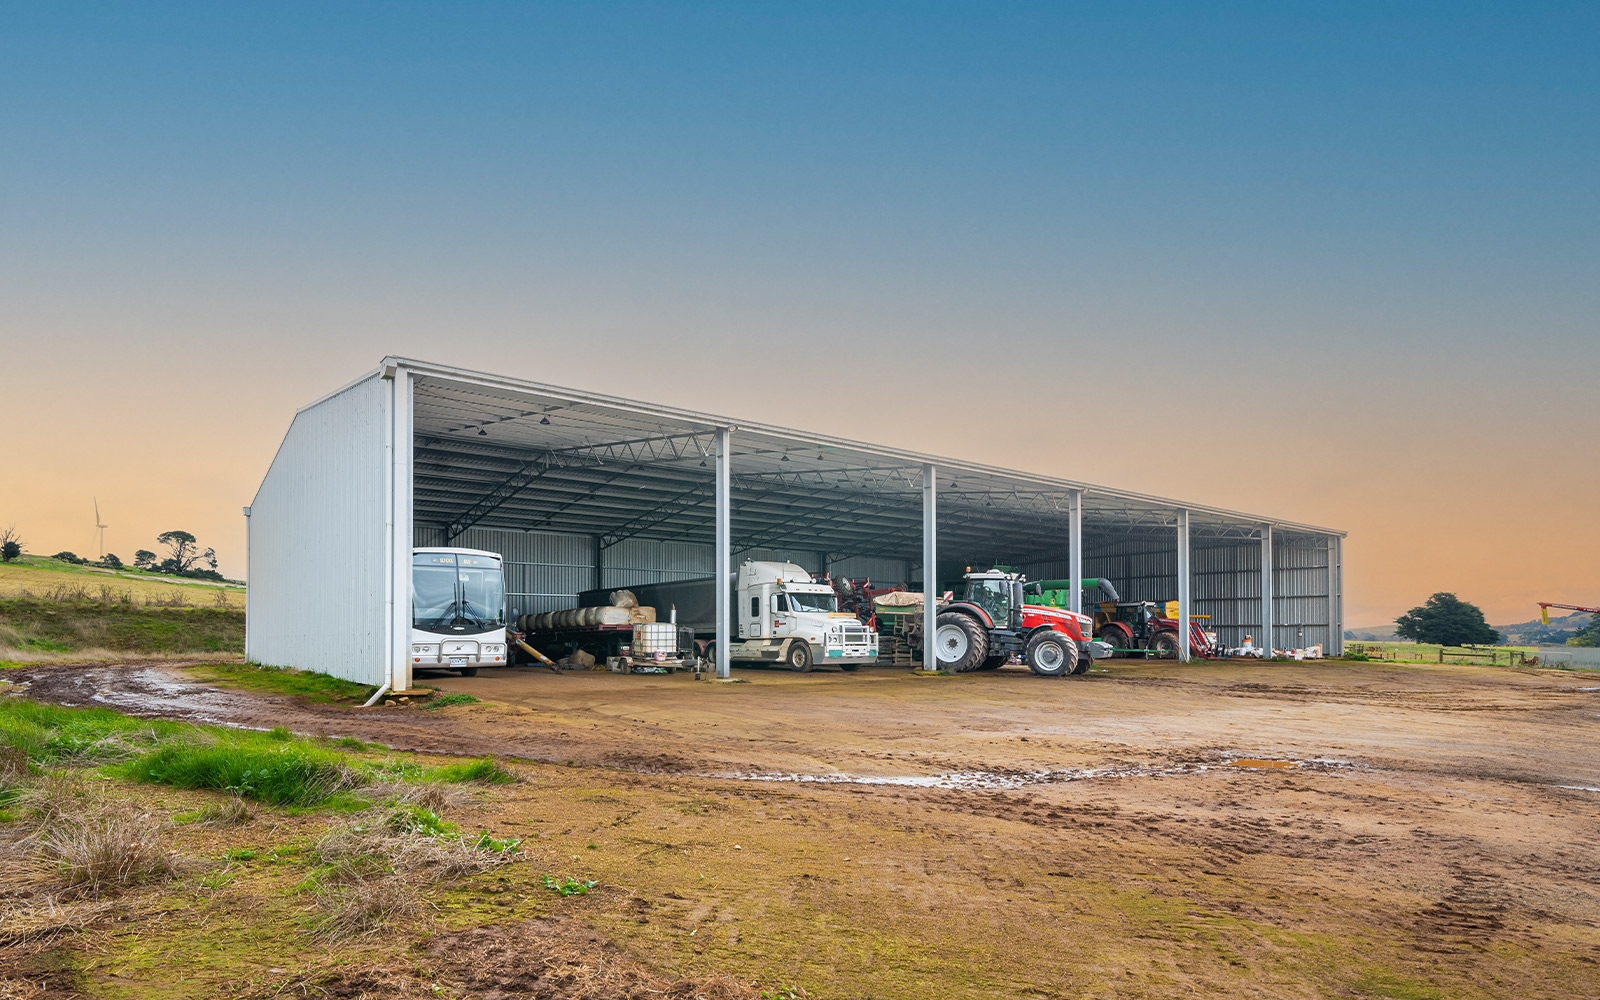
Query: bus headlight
<point>425,648</point>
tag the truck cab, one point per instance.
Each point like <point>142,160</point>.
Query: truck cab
<point>783,617</point>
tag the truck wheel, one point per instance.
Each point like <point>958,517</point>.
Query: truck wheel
<point>799,657</point>
<point>1164,646</point>
<point>994,662</point>
<point>468,671</point>
<point>959,642</point>
<point>1051,654</point>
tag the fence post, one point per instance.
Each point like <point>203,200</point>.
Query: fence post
<point>1441,654</point>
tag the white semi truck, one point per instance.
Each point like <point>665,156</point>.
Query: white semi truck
<point>778,616</point>
<point>457,610</point>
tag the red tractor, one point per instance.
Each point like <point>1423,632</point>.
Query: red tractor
<point>1137,626</point>
<point>992,623</point>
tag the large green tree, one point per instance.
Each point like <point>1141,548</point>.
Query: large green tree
<point>1448,621</point>
<point>1589,635</point>
<point>185,553</point>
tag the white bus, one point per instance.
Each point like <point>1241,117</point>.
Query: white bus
<point>457,610</point>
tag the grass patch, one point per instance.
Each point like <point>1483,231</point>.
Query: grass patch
<point>294,774</point>
<point>446,700</point>
<point>307,684</point>
<point>38,625</point>
<point>53,734</point>
<point>484,770</point>
<point>1381,983</point>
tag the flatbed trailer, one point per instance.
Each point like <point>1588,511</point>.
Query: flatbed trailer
<point>632,647</point>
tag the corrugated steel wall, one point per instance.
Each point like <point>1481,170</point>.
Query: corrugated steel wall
<point>317,541</point>
<point>1227,586</point>
<point>1301,608</point>
<point>642,560</point>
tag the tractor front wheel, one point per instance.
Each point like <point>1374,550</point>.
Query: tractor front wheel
<point>1051,654</point>
<point>959,642</point>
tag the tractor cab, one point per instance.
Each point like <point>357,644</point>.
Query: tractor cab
<point>997,593</point>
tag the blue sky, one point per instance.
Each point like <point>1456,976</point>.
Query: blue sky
<point>1324,227</point>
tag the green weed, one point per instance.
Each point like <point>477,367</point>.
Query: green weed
<point>569,886</point>
<point>416,819</point>
<point>488,843</point>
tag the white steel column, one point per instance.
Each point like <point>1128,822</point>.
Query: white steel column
<point>1335,595</point>
<point>723,557</point>
<point>930,567</point>
<point>1075,549</point>
<point>401,530</point>
<point>1183,584</point>
<point>1267,639</point>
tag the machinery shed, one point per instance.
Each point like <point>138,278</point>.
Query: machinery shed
<point>578,490</point>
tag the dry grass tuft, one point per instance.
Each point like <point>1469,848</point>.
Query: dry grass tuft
<point>112,845</point>
<point>370,875</point>
<point>45,916</point>
<point>233,812</point>
<point>59,794</point>
<point>13,765</point>
<point>349,909</point>
<point>431,795</point>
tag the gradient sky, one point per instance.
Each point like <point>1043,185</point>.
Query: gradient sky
<point>1335,263</point>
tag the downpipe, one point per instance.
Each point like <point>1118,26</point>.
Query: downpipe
<point>377,695</point>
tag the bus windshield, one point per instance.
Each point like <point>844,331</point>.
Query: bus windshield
<point>456,592</point>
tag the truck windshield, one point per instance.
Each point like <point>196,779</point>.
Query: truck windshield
<point>814,602</point>
<point>456,591</point>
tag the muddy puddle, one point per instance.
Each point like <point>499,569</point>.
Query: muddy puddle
<point>150,692</point>
<point>1000,780</point>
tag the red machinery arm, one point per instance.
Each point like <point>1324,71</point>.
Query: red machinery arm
<point>1545,606</point>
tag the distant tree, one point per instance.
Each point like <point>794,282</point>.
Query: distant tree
<point>69,557</point>
<point>184,553</point>
<point>111,561</point>
<point>144,559</point>
<point>1589,635</point>
<point>1448,621</point>
<point>10,543</point>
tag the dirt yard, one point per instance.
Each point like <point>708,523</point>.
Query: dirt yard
<point>1220,829</point>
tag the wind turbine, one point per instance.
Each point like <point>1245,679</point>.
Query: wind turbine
<point>100,531</point>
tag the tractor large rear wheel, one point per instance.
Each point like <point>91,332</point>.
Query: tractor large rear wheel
<point>1114,638</point>
<point>960,642</point>
<point>1051,654</point>
<point>1164,646</point>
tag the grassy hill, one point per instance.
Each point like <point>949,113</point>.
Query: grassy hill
<point>43,577</point>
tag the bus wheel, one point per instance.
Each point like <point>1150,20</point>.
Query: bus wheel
<point>468,671</point>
